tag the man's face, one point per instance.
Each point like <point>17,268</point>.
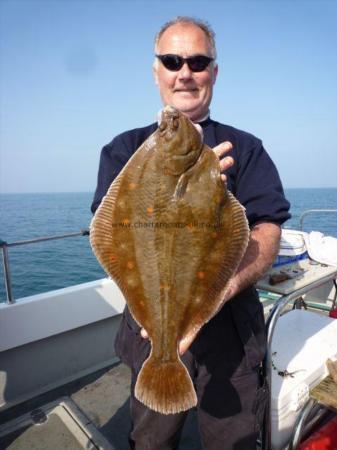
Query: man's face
<point>190,92</point>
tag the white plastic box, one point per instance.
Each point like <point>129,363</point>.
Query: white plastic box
<point>302,342</point>
<point>292,247</point>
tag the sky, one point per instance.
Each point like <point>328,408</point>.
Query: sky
<point>74,74</point>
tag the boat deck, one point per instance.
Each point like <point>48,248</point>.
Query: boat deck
<point>98,405</point>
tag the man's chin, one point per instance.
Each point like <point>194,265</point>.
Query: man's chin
<point>193,114</point>
<point>190,110</point>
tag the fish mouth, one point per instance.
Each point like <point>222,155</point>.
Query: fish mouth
<point>168,118</point>
<point>170,111</point>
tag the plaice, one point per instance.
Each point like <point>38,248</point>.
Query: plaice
<point>171,236</point>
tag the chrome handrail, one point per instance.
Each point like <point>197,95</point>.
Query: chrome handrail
<point>5,258</point>
<point>311,211</point>
<point>271,321</point>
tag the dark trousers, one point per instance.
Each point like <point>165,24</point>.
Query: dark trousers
<point>226,380</point>
<point>238,431</point>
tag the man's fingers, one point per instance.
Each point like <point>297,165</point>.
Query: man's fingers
<point>144,334</point>
<point>222,148</point>
<point>185,343</point>
<point>228,161</point>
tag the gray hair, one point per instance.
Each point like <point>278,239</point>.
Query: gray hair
<point>204,26</point>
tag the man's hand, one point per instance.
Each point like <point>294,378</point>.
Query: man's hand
<point>226,162</point>
<point>220,150</point>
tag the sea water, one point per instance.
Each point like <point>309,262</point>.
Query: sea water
<point>37,268</point>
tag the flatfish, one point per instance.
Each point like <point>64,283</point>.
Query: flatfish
<point>171,236</point>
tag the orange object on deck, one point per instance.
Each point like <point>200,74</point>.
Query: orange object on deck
<point>323,439</point>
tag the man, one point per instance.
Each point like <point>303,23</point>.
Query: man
<point>224,358</point>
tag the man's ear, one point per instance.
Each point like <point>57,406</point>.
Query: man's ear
<point>155,73</point>
<point>215,72</point>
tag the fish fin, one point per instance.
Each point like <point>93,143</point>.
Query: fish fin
<point>114,237</point>
<point>232,245</point>
<point>240,233</point>
<point>101,231</point>
<point>107,229</point>
<point>165,387</point>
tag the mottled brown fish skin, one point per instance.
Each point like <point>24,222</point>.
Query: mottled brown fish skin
<point>171,236</point>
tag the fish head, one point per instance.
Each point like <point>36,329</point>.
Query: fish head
<point>180,142</point>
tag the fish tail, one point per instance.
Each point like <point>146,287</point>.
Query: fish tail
<point>165,387</point>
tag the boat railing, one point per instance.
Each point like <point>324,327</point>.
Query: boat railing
<point>314,211</point>
<point>85,232</point>
<point>5,256</point>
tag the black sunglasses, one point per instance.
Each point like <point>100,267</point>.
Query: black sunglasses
<point>174,63</point>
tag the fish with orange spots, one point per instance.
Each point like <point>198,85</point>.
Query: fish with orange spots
<point>173,279</point>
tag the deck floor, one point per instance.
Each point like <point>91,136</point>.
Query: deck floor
<point>104,399</point>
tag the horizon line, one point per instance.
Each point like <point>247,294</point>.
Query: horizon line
<point>92,192</point>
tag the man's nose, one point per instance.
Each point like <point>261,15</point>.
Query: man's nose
<point>185,72</point>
